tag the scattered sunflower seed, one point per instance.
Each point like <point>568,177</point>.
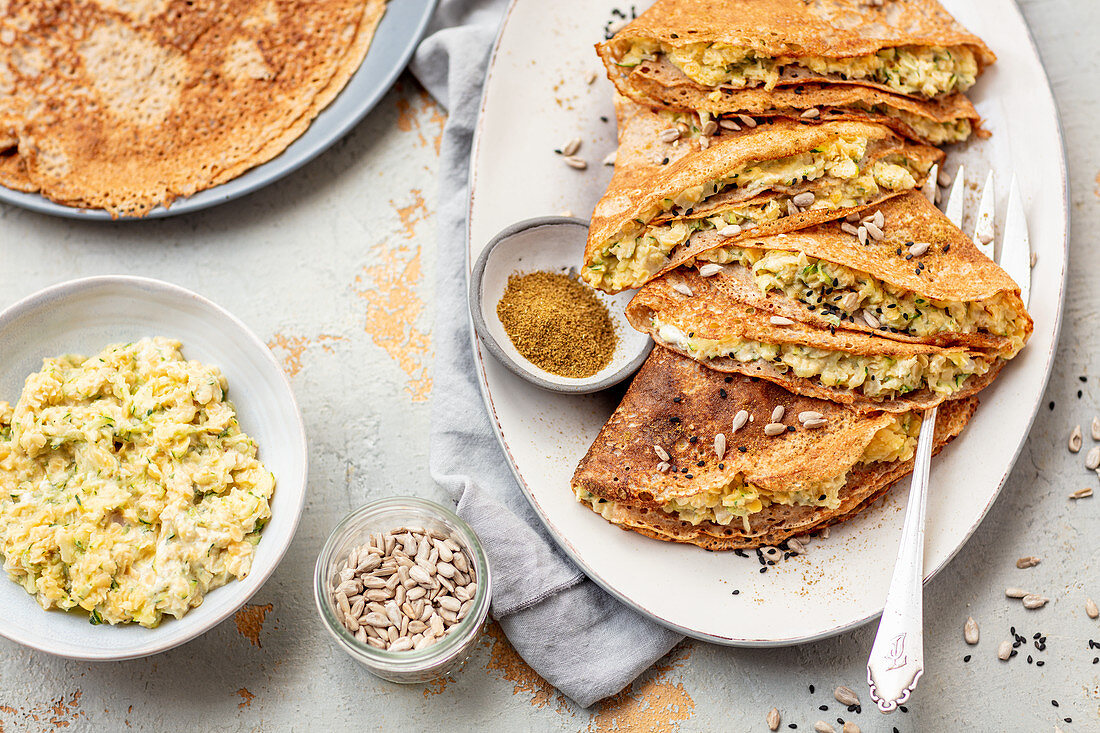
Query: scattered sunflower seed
<point>709,128</point>
<point>778,413</point>
<point>661,452</point>
<point>774,428</point>
<point>592,76</point>
<point>850,301</point>
<point>804,199</point>
<point>781,321</point>
<point>609,159</point>
<point>1075,439</point>
<point>720,445</point>
<point>815,424</point>
<point>747,121</point>
<point>682,289</point>
<point>919,248</point>
<point>850,727</point>
<point>985,237</point>
<point>1096,428</point>
<point>809,415</point>
<point>732,230</point>
<point>726,124</point>
<point>710,269</point>
<point>795,547</point>
<point>1034,600</point>
<point>944,178</point>
<point>704,142</point>
<point>1004,651</point>
<point>879,219</point>
<point>571,147</point>
<point>1027,562</point>
<point>874,231</point>
<point>663,467</point>
<point>739,420</point>
<point>667,136</point>
<point>861,233</point>
<point>792,208</point>
<point>773,719</point>
<point>970,631</point>
<point>870,319</point>
<point>1092,458</point>
<point>846,696</point>
<point>1081,493</point>
<point>850,228</point>
<point>574,162</point>
<point>1090,608</point>
<point>822,727</point>
<point>1015,592</point>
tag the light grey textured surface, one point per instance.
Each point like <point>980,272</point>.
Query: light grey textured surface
<point>292,262</point>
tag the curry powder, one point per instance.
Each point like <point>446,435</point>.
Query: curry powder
<point>557,323</point>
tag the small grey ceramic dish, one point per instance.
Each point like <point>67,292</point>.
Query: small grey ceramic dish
<point>548,244</point>
<point>395,39</point>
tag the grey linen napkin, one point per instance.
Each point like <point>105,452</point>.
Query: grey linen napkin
<point>569,630</point>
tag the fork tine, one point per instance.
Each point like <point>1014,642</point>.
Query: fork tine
<point>955,200</point>
<point>929,187</point>
<point>1015,244</point>
<point>984,225</point>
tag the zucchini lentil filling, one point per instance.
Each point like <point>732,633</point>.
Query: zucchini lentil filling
<point>842,294</point>
<point>926,71</point>
<point>739,499</point>
<point>846,179</point>
<point>876,376</point>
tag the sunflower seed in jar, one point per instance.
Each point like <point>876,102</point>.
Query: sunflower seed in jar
<point>449,603</point>
<point>460,562</point>
<point>420,575</point>
<point>1075,439</point>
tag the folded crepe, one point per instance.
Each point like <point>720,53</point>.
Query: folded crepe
<point>745,488</point>
<point>908,47</point>
<point>664,191</point>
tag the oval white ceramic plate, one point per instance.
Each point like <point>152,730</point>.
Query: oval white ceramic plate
<point>83,316</point>
<point>537,84</point>
<point>394,41</point>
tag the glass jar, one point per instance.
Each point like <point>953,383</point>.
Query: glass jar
<point>422,665</point>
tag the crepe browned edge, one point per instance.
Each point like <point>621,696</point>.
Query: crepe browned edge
<point>660,84</point>
<point>316,64</point>
<point>953,268</point>
<point>713,311</point>
<point>641,182</point>
<point>789,28</point>
<point>621,467</point>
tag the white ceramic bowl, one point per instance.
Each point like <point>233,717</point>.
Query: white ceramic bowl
<point>82,316</point>
<point>550,244</point>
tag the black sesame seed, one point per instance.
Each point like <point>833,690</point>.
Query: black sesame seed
<point>822,707</point>
<point>688,475</point>
<point>764,569</point>
<point>1040,663</point>
<point>1029,660</point>
<point>1038,635</point>
<point>674,419</point>
<point>1054,703</point>
<point>729,379</point>
<point>1083,379</point>
<point>700,464</point>
<point>693,439</point>
<point>1078,394</point>
<point>664,162</point>
<point>742,448</point>
<point>966,658</point>
<point>722,393</point>
<point>811,689</point>
<point>677,400</point>
<point>840,721</point>
<point>903,709</point>
<point>736,592</point>
<point>790,428</point>
<point>792,726</point>
<point>603,118</point>
<point>1051,405</point>
<point>684,470</point>
<point>721,467</point>
<point>1096,660</point>
<point>1068,720</point>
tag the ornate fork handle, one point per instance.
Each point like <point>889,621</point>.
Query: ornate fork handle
<point>897,656</point>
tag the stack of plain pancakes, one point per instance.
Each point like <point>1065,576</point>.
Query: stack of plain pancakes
<point>125,105</point>
<point>807,301</point>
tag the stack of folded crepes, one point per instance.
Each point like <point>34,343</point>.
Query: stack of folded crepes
<point>808,301</point>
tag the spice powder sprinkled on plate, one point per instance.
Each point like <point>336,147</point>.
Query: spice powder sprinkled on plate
<point>557,323</point>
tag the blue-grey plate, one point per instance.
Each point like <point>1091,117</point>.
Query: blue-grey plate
<point>394,42</point>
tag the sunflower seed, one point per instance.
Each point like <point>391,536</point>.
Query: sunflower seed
<point>1034,600</point>
<point>414,594</point>
<point>770,553</point>
<point>747,121</point>
<point>1096,428</point>
<point>661,453</point>
<point>682,289</point>
<point>739,420</point>
<point>1081,494</point>
<point>571,147</point>
<point>574,162</point>
<point>773,719</point>
<point>984,237</point>
<point>970,631</point>
<point>822,727</point>
<point>792,208</point>
<point>919,248</point>
<point>663,466</point>
<point>448,603</point>
<point>730,230</point>
<point>774,428</point>
<point>1090,608</point>
<point>1015,592</point>
<point>870,319</point>
<point>861,233</point>
<point>809,415</point>
<point>668,135</point>
<point>1092,459</point>
<point>710,269</point>
<point>811,113</point>
<point>1075,439</point>
<point>874,231</point>
<point>850,727</point>
<point>709,128</point>
<point>850,228</point>
<point>720,446</point>
<point>403,644</point>
<point>420,575</point>
<point>814,424</point>
<point>944,178</point>
<point>377,620</point>
<point>1004,651</point>
<point>781,321</point>
<point>846,696</point>
<point>446,569</point>
<point>795,547</point>
<point>879,219</point>
<point>804,199</point>
<point>778,412</point>
<point>1033,259</point>
<point>1027,562</point>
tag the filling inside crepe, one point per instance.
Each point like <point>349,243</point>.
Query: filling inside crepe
<point>927,71</point>
<point>740,499</point>
<point>838,293</point>
<point>877,376</point>
<point>843,173</point>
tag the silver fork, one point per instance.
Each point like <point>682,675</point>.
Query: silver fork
<point>897,655</point>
